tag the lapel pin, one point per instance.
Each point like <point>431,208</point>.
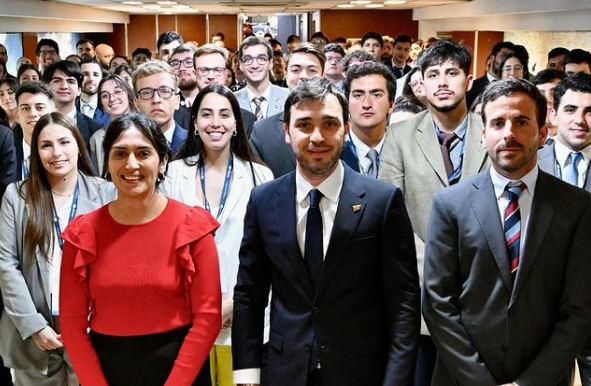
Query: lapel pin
<point>356,208</point>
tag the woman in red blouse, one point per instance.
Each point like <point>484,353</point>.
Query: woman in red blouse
<point>141,272</point>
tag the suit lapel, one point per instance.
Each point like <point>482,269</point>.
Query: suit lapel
<point>238,188</point>
<point>345,224</point>
<point>284,147</point>
<point>475,154</point>
<point>349,157</point>
<point>285,217</point>
<point>540,218</point>
<point>274,106</point>
<point>546,160</point>
<point>427,141</point>
<point>483,202</point>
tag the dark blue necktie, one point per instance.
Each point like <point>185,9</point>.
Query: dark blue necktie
<point>313,250</point>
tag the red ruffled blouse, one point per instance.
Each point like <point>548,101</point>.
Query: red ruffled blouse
<point>138,280</point>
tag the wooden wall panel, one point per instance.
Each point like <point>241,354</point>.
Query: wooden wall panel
<point>142,32</point>
<point>353,24</point>
<point>465,37</point>
<point>192,28</point>
<point>228,25</point>
<point>29,46</point>
<point>166,23</point>
<point>117,39</point>
<point>486,41</point>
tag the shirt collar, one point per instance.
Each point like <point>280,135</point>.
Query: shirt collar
<point>562,152</point>
<point>361,148</point>
<point>266,94</point>
<point>330,187</point>
<point>168,134</point>
<point>490,78</point>
<point>92,102</point>
<point>459,131</point>
<point>500,182</point>
<point>73,116</point>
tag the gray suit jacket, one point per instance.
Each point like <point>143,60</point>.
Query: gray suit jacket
<point>487,329</point>
<point>411,159</point>
<point>547,162</point>
<point>267,141</point>
<point>24,280</point>
<point>277,99</point>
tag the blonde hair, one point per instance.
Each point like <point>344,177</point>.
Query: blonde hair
<point>154,67</point>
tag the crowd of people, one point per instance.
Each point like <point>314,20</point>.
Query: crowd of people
<point>331,214</point>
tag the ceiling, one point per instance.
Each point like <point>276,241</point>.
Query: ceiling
<point>249,7</point>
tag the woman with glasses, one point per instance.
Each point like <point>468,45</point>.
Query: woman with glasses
<point>34,213</point>
<point>216,170</point>
<point>141,273</point>
<point>28,73</point>
<point>116,98</point>
<point>512,67</point>
<point>8,105</point>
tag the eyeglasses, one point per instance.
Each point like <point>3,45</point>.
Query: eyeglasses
<point>261,59</point>
<point>334,59</point>
<point>176,64</point>
<point>117,93</point>
<point>204,71</point>
<point>47,52</point>
<point>163,92</point>
<point>517,67</point>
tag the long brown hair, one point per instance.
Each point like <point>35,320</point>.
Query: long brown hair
<point>36,191</point>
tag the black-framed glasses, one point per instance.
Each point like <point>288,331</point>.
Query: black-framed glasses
<point>261,59</point>
<point>164,92</point>
<point>176,64</point>
<point>204,71</point>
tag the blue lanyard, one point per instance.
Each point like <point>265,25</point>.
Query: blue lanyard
<point>56,219</point>
<point>354,151</point>
<point>225,189</point>
<point>25,171</point>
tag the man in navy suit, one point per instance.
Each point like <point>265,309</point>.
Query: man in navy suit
<point>337,248</point>
<point>371,90</point>
<point>157,95</point>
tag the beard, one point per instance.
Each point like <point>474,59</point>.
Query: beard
<point>447,108</point>
<point>90,91</point>
<point>187,84</point>
<point>316,169</point>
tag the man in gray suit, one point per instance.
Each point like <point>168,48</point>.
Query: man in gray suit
<point>506,295</point>
<point>435,149</point>
<point>259,96</point>
<point>267,139</point>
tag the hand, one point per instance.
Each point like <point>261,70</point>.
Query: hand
<point>227,310</point>
<point>47,339</point>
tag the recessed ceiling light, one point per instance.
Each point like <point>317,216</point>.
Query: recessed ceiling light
<point>132,2</point>
<point>166,2</point>
<point>360,2</point>
<point>374,6</point>
<point>151,6</point>
<point>395,2</point>
<point>181,6</point>
<point>345,6</point>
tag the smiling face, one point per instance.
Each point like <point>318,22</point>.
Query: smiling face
<point>134,165</point>
<point>401,53</point>
<point>85,50</point>
<point>368,102</point>
<point>31,107</point>
<point>7,98</point>
<point>445,86</point>
<point>65,88</point>
<point>92,77</point>
<point>512,68</point>
<point>58,151</point>
<point>114,99</point>
<point>255,72</point>
<point>216,123</point>
<point>186,74</point>
<point>47,56</point>
<point>29,76</point>
<point>316,133</point>
<point>511,134</point>
<point>210,61</point>
<point>573,120</point>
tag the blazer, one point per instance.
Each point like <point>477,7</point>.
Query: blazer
<point>7,159</point>
<point>87,127</point>
<point>18,136</point>
<point>547,162</point>
<point>388,63</point>
<point>487,329</point>
<point>100,115</point>
<point>276,101</point>
<point>267,142</point>
<point>363,314</point>
<point>24,280</point>
<point>178,138</point>
<point>478,86</point>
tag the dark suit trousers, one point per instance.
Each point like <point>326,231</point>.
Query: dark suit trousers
<point>425,361</point>
<point>315,378</point>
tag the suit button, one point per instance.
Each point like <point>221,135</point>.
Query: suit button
<point>315,310</point>
<point>307,347</point>
<point>504,348</point>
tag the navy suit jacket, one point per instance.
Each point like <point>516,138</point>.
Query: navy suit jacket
<point>87,127</point>
<point>478,87</point>
<point>178,138</point>
<point>364,313</point>
<point>7,159</point>
<point>18,135</point>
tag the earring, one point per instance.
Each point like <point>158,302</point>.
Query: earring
<point>196,132</point>
<point>234,133</point>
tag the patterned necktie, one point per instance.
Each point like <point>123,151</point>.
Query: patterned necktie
<point>87,110</point>
<point>258,111</point>
<point>373,168</point>
<point>313,248</point>
<point>512,225</point>
<point>445,141</point>
<point>571,171</point>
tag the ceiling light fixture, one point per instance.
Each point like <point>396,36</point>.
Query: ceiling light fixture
<point>360,2</point>
<point>151,6</point>
<point>374,6</point>
<point>167,2</point>
<point>395,2</point>
<point>181,6</point>
<point>132,2</point>
<point>345,6</point>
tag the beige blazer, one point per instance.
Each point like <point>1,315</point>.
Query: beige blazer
<point>411,160</point>
<point>24,280</point>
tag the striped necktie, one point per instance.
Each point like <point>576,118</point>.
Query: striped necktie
<point>512,225</point>
<point>258,111</point>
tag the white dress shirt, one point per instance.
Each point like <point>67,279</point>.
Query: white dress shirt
<point>525,200</point>
<point>331,191</point>
<point>92,105</point>
<point>562,157</point>
<point>362,150</point>
<point>56,258</point>
<point>264,104</point>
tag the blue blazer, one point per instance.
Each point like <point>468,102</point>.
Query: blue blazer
<point>179,136</point>
<point>364,313</point>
